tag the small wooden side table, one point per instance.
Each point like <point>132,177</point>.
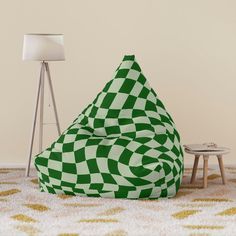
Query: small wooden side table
<point>206,155</point>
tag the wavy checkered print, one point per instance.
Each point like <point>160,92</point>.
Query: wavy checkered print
<point>123,145</point>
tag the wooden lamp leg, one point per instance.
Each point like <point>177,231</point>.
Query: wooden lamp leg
<point>35,118</point>
<point>222,171</point>
<point>53,97</point>
<point>41,110</point>
<point>195,165</point>
<point>205,170</point>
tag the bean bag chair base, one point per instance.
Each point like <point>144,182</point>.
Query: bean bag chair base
<point>123,145</point>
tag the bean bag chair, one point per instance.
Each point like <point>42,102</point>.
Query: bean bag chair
<point>123,145</point>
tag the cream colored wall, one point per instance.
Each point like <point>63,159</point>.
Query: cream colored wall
<point>187,50</point>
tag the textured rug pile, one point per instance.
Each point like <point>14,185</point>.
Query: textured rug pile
<point>194,211</point>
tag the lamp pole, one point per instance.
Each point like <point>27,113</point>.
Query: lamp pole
<point>40,100</point>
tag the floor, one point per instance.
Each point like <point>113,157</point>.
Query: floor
<point>194,211</point>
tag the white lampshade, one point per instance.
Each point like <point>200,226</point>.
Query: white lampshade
<point>43,47</point>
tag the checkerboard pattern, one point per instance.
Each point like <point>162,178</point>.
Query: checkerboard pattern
<point>123,145</point>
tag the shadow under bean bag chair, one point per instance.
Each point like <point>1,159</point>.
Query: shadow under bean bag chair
<point>123,145</point>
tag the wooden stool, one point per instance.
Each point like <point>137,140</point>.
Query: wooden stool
<point>206,155</point>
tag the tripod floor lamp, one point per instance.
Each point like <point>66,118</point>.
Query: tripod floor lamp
<point>43,48</point>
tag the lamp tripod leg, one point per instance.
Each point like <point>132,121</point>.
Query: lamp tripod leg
<point>53,98</point>
<point>34,119</point>
<point>41,111</point>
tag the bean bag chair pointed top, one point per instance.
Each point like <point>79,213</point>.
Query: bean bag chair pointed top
<point>123,145</point>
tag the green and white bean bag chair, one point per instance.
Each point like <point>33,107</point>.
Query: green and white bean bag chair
<point>123,145</point>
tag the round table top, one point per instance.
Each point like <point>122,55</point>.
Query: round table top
<point>208,153</point>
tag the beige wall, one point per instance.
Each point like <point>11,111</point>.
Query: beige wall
<point>187,50</point>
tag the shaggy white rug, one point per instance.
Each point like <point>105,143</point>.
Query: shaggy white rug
<point>194,211</point>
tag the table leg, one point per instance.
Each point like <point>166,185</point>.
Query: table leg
<point>205,170</point>
<point>195,165</point>
<point>222,171</point>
